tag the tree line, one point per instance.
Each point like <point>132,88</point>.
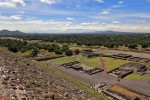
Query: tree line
<point>107,40</point>
<point>23,46</point>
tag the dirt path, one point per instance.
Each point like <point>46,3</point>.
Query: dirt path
<point>103,64</point>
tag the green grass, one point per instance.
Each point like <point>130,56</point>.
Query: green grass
<point>85,86</point>
<point>148,66</point>
<point>111,63</point>
<point>92,62</point>
<point>28,53</point>
<point>137,76</point>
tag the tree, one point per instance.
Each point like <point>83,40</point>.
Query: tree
<point>144,45</point>
<point>64,48</point>
<point>13,49</point>
<point>77,51</point>
<point>51,49</point>
<point>24,49</point>
<point>69,52</point>
<point>132,46</point>
<point>34,52</point>
<point>55,46</point>
<point>58,51</point>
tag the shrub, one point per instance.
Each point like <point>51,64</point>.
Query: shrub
<point>69,52</point>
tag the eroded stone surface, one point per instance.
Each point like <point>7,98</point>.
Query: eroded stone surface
<point>24,80</point>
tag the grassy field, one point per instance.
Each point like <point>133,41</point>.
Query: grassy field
<point>28,53</point>
<point>86,87</point>
<point>137,76</point>
<point>92,62</point>
<point>111,63</point>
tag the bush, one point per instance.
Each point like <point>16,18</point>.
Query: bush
<point>51,49</point>
<point>34,52</point>
<point>144,45</point>
<point>64,48</point>
<point>132,46</point>
<point>77,51</point>
<point>58,51</point>
<point>69,52</point>
<point>13,49</point>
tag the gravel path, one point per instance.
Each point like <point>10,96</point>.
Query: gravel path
<point>139,85</point>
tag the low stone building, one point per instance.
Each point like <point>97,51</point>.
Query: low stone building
<point>86,50</point>
<point>119,92</point>
<point>74,65</point>
<point>135,67</point>
<point>127,69</point>
<point>90,54</point>
<point>121,56</point>
<point>77,67</point>
<point>93,71</point>
<point>138,59</point>
<point>120,73</point>
<point>135,59</point>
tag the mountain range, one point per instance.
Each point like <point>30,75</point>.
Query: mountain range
<point>17,32</point>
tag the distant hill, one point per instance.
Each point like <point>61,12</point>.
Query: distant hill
<point>111,32</point>
<point>7,32</point>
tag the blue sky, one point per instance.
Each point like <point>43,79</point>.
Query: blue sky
<point>64,16</point>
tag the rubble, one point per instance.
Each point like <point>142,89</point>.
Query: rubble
<point>127,69</point>
<point>21,79</point>
<point>119,92</point>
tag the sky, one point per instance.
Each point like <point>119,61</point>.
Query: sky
<point>71,16</point>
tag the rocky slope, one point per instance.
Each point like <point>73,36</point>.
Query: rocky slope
<point>21,79</point>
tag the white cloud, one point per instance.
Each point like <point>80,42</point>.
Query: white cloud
<point>116,22</point>
<point>105,12</point>
<point>103,23</point>
<point>118,6</point>
<point>3,18</point>
<point>36,25</point>
<point>21,12</point>
<point>86,24</point>
<point>120,2</point>
<point>77,6</point>
<point>15,17</point>
<point>141,21</point>
<point>60,26</point>
<point>12,3</point>
<point>50,2</point>
<point>10,18</point>
<point>69,18</point>
<point>68,24</point>
<point>100,1</point>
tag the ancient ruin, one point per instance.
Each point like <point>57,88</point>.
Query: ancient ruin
<point>119,92</point>
<point>130,58</point>
<point>24,80</point>
<point>127,69</point>
<point>93,71</point>
<point>121,56</point>
<point>90,54</point>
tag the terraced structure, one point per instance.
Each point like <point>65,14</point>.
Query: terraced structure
<point>26,80</point>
